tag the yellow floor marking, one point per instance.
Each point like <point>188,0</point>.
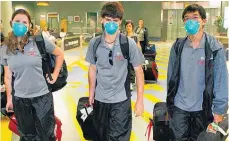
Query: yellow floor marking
<point>69,68</point>
<point>133,137</point>
<point>162,64</point>
<point>85,76</point>
<point>155,87</point>
<point>74,84</point>
<point>6,134</point>
<point>70,103</point>
<point>152,98</point>
<point>162,71</point>
<point>162,77</point>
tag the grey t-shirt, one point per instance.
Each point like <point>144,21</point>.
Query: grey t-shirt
<point>111,79</point>
<point>27,69</point>
<point>192,77</point>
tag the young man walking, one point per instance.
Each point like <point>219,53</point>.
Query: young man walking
<point>197,79</point>
<point>109,84</point>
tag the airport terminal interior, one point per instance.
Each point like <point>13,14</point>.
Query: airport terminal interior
<point>72,24</point>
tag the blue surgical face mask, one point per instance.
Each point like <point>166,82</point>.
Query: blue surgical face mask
<point>19,29</point>
<point>192,27</point>
<point>111,27</point>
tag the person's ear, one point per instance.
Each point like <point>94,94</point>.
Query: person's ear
<point>120,22</point>
<point>31,25</point>
<point>204,21</point>
<point>11,24</point>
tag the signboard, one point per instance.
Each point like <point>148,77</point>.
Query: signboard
<point>71,42</point>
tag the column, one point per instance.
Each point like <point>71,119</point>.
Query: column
<point>6,13</point>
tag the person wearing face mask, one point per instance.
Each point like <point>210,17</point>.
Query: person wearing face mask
<point>32,102</point>
<point>108,81</point>
<point>197,90</point>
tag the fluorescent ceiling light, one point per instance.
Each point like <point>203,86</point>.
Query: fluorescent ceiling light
<point>42,3</point>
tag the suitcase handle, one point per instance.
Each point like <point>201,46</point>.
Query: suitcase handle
<point>4,112</point>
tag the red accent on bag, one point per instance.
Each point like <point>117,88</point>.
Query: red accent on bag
<point>149,127</point>
<point>14,128</point>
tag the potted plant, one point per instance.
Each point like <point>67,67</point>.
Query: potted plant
<point>218,23</point>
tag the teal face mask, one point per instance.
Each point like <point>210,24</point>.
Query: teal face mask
<point>192,27</point>
<point>111,27</point>
<point>19,29</point>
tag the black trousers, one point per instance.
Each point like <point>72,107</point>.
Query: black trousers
<point>35,117</point>
<point>143,45</point>
<point>186,126</point>
<point>113,121</point>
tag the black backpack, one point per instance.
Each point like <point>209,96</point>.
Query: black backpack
<point>48,65</point>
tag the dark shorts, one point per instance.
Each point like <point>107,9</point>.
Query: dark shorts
<point>186,126</point>
<point>113,121</point>
<point>35,117</point>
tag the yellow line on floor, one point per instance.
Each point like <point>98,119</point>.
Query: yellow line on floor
<point>162,77</point>
<point>152,98</point>
<point>133,137</point>
<point>155,87</point>
<point>162,64</point>
<point>6,134</point>
<point>85,76</point>
<point>162,60</point>
<point>80,64</point>
<point>69,68</point>
<point>72,110</point>
<point>162,71</point>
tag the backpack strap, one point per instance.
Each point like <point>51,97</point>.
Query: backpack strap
<point>178,43</point>
<point>124,45</point>
<point>95,47</point>
<point>45,57</point>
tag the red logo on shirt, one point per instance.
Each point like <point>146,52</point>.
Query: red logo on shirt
<point>201,61</point>
<point>31,52</point>
<point>119,57</point>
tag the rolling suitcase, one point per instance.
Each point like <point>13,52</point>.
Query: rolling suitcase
<point>150,67</point>
<point>150,70</point>
<point>85,118</point>
<point>159,123</point>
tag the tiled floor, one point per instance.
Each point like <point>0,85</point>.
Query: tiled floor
<point>66,99</point>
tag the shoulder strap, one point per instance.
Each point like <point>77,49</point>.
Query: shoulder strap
<point>41,46</point>
<point>95,46</point>
<point>45,57</point>
<point>178,43</point>
<point>124,45</point>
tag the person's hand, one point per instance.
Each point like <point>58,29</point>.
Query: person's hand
<point>54,78</point>
<point>218,118</point>
<point>139,108</point>
<point>91,99</point>
<point>9,104</point>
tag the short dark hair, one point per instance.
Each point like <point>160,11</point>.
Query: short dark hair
<point>193,8</point>
<point>129,22</point>
<point>113,10</point>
